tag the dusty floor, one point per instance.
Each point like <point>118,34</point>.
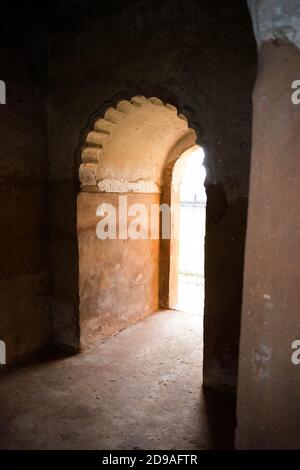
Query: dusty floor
<point>140,389</point>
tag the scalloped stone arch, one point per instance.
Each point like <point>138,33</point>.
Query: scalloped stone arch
<point>129,151</point>
<point>129,147</point>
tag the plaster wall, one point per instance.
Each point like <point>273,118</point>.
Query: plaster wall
<point>25,289</point>
<point>201,58</point>
<point>268,406</point>
<point>118,278</point>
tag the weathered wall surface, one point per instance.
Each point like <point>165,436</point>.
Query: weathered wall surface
<point>275,20</point>
<point>198,56</point>
<point>128,149</point>
<point>118,278</point>
<point>268,406</point>
<point>25,262</point>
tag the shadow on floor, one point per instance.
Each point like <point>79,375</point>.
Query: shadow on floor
<point>141,389</point>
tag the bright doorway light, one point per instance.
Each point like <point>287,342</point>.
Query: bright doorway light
<point>190,269</point>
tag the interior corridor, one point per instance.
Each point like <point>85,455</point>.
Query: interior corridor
<point>121,394</point>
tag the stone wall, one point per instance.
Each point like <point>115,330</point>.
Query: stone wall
<point>124,160</point>
<point>268,407</point>
<point>25,292</point>
<point>119,278</point>
<point>201,58</point>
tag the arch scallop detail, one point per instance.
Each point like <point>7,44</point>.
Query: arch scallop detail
<point>128,148</point>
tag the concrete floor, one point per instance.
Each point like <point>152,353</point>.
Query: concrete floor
<point>140,389</point>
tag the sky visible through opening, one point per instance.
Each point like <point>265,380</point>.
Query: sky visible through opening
<point>190,287</point>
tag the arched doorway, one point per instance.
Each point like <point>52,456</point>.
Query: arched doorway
<point>127,159</point>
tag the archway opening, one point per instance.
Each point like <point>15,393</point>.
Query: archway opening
<point>188,196</point>
<point>128,159</point>
<point>188,263</point>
